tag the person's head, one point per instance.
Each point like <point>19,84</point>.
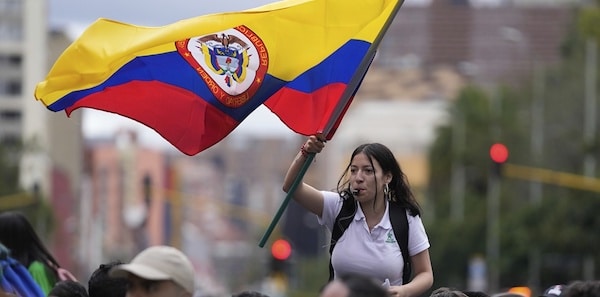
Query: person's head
<point>353,285</point>
<point>447,292</point>
<point>101,284</point>
<point>17,234</point>
<point>553,291</point>
<point>249,294</point>
<point>68,288</point>
<point>374,171</point>
<point>476,293</point>
<point>590,288</point>
<point>158,271</point>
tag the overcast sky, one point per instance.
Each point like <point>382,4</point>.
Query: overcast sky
<point>150,12</point>
<point>141,12</point>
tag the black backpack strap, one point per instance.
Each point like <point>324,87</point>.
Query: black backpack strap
<point>341,223</point>
<point>400,226</point>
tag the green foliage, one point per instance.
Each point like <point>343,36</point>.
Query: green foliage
<point>309,275</point>
<point>9,170</point>
<point>589,22</point>
<point>560,230</point>
<point>40,212</point>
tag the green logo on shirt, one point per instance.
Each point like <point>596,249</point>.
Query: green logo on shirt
<point>390,237</point>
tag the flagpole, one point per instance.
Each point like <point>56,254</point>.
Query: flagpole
<point>343,104</point>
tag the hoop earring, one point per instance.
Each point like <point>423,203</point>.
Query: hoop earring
<point>386,192</point>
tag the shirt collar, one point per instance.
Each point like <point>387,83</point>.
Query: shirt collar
<point>385,221</point>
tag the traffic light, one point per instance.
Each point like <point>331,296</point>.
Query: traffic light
<point>498,153</point>
<point>281,251</point>
<point>499,156</point>
<point>280,268</point>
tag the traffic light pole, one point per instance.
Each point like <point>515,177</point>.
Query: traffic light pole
<point>493,231</point>
<point>499,155</point>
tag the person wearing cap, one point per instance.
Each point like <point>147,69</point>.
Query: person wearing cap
<point>553,291</point>
<point>158,271</point>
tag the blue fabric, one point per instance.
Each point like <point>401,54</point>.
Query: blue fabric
<point>16,279</point>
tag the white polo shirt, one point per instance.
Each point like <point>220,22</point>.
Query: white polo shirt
<point>375,253</point>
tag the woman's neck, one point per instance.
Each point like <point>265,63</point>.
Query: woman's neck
<point>373,213</point>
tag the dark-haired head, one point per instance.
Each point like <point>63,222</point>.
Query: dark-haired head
<point>101,284</point>
<point>354,285</point>
<point>447,292</point>
<point>249,294</point>
<point>582,288</point>
<point>17,234</point>
<point>68,288</point>
<point>399,187</point>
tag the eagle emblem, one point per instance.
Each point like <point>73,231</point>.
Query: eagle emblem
<point>226,55</point>
<point>232,63</point>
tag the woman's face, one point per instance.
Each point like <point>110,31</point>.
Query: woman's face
<point>366,180</point>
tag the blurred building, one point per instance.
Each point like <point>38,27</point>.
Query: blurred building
<point>135,196</point>
<point>488,44</point>
<point>123,202</point>
<point>51,163</point>
<point>229,194</point>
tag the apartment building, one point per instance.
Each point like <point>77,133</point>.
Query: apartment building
<point>51,161</point>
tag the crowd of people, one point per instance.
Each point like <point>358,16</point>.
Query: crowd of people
<point>379,246</point>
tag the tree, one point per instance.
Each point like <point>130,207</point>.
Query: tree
<point>9,170</point>
<point>37,210</point>
<point>563,225</point>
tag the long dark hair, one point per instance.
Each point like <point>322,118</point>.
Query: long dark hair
<point>399,188</point>
<point>17,234</point>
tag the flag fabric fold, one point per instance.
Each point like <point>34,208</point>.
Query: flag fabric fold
<point>196,80</point>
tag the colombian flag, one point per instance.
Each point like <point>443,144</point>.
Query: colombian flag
<point>195,80</point>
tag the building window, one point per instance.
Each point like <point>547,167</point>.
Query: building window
<point>10,60</point>
<point>11,87</point>
<point>14,88</point>
<point>10,115</point>
<point>10,141</point>
<point>11,6</point>
<point>11,31</point>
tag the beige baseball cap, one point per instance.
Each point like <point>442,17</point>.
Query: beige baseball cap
<point>160,263</point>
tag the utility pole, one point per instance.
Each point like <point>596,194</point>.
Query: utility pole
<point>537,129</point>
<point>537,145</point>
<point>589,127</point>
<point>589,166</point>
<point>493,204</point>
<point>458,169</point>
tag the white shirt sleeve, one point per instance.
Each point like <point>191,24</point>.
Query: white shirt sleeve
<point>417,237</point>
<point>332,204</point>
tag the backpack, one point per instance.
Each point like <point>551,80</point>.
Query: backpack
<point>398,219</point>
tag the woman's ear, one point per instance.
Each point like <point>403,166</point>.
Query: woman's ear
<point>388,177</point>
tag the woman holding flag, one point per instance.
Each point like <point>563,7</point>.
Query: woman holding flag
<point>377,191</point>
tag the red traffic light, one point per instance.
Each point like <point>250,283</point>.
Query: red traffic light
<point>281,249</point>
<point>499,153</point>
